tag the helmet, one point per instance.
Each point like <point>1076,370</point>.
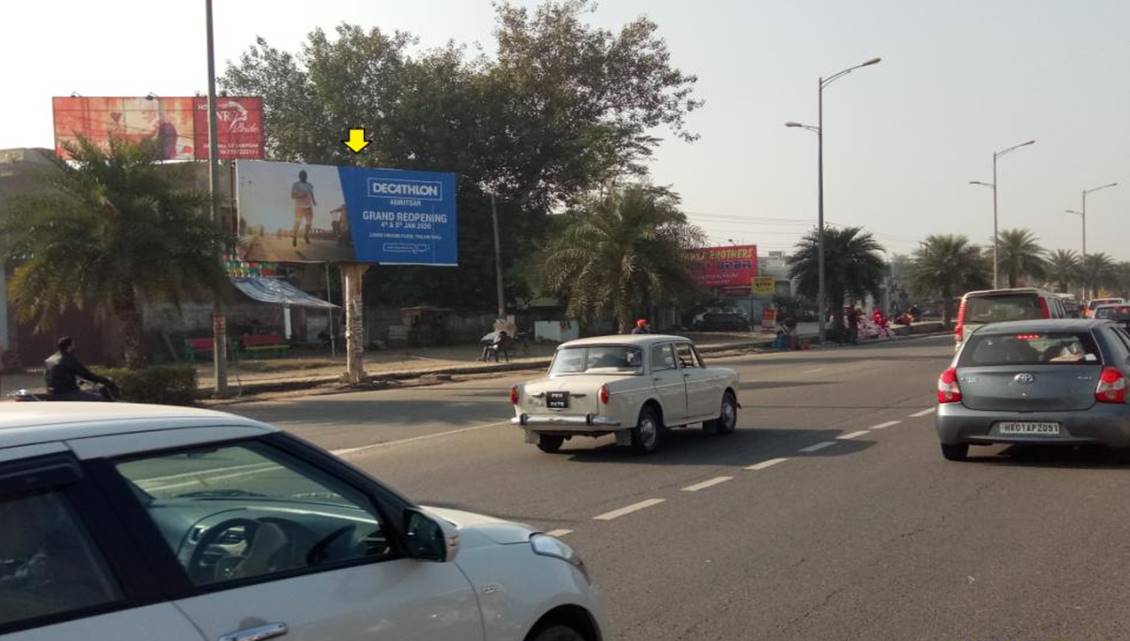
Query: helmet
<point>641,322</point>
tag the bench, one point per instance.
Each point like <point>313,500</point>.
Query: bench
<point>194,346</point>
<point>263,343</point>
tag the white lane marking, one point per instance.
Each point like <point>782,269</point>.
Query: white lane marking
<point>819,446</point>
<point>559,533</point>
<point>814,370</point>
<point>705,484</point>
<point>881,426</point>
<point>353,450</point>
<point>635,507</point>
<point>923,413</point>
<point>766,464</point>
<point>845,437</point>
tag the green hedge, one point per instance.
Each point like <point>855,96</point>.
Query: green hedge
<point>162,384</point>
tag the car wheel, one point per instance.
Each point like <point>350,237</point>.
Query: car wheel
<point>558,633</point>
<point>548,443</point>
<point>727,420</point>
<point>955,452</point>
<point>645,435</point>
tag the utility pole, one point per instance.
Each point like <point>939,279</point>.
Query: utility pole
<point>497,260</point>
<point>219,324</point>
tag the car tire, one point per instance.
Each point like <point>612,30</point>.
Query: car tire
<point>557,633</point>
<point>646,433</point>
<point>955,452</point>
<point>549,443</point>
<point>727,420</point>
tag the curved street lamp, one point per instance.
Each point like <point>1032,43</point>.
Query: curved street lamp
<point>818,129</point>
<point>993,186</point>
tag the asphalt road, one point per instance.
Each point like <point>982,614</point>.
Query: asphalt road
<point>829,514</point>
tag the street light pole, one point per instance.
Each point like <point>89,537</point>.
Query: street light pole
<point>1083,214</point>
<point>497,260</point>
<point>821,303</point>
<point>219,326</point>
<point>996,235</point>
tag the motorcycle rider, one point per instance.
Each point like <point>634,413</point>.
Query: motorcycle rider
<point>63,371</point>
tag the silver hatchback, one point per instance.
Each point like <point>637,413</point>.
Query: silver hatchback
<point>1045,381</point>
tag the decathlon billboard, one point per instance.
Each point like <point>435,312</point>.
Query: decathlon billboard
<point>290,212</point>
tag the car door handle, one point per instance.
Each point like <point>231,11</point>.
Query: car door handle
<point>259,633</point>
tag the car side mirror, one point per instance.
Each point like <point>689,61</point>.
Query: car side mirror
<point>429,538</point>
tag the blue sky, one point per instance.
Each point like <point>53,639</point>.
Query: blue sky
<point>958,79</point>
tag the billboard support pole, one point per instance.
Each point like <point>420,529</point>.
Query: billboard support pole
<point>219,329</point>
<point>351,274</point>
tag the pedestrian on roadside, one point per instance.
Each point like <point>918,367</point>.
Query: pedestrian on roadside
<point>641,327</point>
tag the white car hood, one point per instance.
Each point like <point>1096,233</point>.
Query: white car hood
<point>479,529</point>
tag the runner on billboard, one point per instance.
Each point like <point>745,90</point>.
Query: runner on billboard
<point>302,193</point>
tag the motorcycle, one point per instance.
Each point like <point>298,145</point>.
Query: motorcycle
<point>109,394</point>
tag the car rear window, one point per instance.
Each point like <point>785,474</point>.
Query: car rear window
<point>1115,313</point>
<point>996,309</point>
<point>1030,348</point>
<point>597,359</point>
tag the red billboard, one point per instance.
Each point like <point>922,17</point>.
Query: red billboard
<point>179,124</point>
<point>732,267</point>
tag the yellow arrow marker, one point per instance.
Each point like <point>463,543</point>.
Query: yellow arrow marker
<point>356,140</point>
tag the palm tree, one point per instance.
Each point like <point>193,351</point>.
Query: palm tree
<point>946,266</point>
<point>1096,271</point>
<point>1063,268</point>
<point>621,252</point>
<point>852,267</point>
<point>1122,279</point>
<point>1020,255</point>
<point>111,230</point>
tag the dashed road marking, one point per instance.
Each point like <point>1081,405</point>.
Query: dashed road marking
<point>845,437</point>
<point>923,413</point>
<point>635,507</point>
<point>424,437</point>
<point>705,484</point>
<point>819,446</point>
<point>766,464</point>
<point>559,533</point>
<point>881,426</point>
<point>814,370</point>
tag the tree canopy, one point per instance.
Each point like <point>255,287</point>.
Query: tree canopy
<point>948,266</point>
<point>622,252</point>
<point>114,230</point>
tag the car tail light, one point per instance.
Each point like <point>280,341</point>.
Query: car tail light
<point>514,395</point>
<point>1044,309</point>
<point>1112,386</point>
<point>604,395</point>
<point>948,389</point>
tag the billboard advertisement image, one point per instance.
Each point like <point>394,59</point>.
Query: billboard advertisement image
<point>180,125</point>
<point>732,267</point>
<point>291,212</point>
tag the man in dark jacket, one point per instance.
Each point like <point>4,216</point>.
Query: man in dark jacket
<point>63,371</point>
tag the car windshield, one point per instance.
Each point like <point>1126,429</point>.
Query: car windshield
<point>1030,348</point>
<point>1008,307</point>
<point>619,359</point>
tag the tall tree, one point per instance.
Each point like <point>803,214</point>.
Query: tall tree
<point>852,266</point>
<point>562,109</point>
<point>1096,271</point>
<point>1063,268</point>
<point>1020,255</point>
<point>111,231</point>
<point>947,266</point>
<point>622,251</point>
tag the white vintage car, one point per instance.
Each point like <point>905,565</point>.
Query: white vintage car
<point>632,386</point>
